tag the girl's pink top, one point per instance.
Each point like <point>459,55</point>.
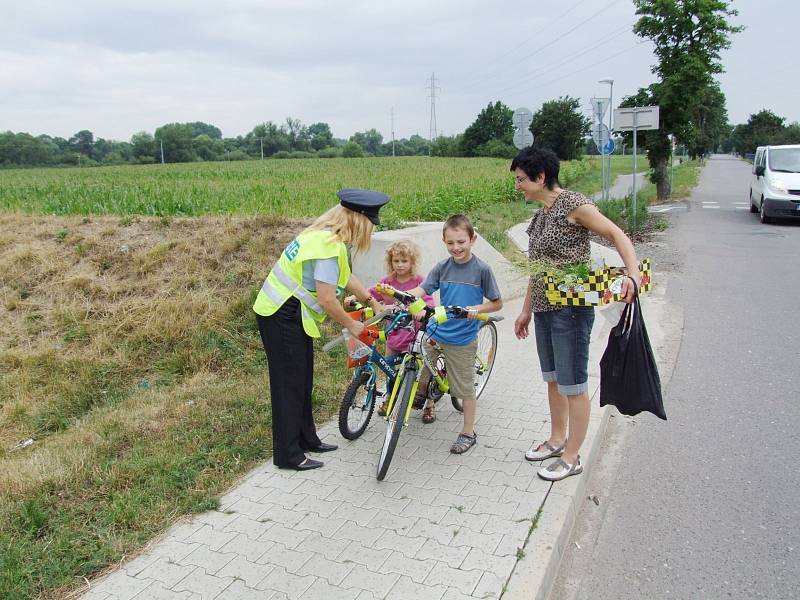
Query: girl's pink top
<point>400,340</point>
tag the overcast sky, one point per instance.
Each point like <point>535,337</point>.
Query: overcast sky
<point>122,66</point>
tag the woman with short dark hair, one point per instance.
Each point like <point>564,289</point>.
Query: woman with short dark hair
<point>559,235</point>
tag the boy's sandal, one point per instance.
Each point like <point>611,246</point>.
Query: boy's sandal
<point>382,408</point>
<point>463,443</point>
<point>429,414</point>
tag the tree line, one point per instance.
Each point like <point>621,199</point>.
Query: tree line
<point>559,124</point>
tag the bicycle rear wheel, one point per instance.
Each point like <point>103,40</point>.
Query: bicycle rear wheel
<point>484,361</point>
<point>395,423</point>
<point>356,408</point>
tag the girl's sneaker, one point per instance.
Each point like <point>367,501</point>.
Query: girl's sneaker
<point>543,451</point>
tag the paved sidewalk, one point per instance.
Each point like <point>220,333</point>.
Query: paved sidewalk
<point>440,527</point>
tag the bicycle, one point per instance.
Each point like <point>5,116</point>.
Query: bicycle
<point>398,410</point>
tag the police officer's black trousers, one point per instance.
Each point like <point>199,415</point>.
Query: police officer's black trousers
<point>290,356</point>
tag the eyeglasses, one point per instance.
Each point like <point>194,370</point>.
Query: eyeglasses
<point>522,179</point>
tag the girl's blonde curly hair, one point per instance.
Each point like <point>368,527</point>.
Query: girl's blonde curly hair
<point>406,249</point>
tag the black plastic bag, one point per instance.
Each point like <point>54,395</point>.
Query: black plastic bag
<point>628,374</point>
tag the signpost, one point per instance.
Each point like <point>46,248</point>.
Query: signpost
<point>601,135</point>
<point>634,119</point>
<point>522,119</point>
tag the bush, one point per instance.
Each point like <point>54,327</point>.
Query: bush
<point>620,210</point>
<point>329,153</point>
<point>302,154</point>
<point>352,150</point>
<point>236,155</point>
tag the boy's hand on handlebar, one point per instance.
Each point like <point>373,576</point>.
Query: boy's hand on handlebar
<point>472,313</point>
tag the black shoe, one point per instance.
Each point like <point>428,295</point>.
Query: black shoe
<point>306,465</point>
<point>323,447</point>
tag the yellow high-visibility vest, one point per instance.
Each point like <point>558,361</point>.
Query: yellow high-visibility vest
<point>286,277</point>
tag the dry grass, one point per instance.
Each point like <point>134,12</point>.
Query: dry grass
<point>129,353</point>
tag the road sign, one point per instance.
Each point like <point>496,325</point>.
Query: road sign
<point>600,134</point>
<point>600,106</point>
<point>643,117</point>
<point>523,138</point>
<point>608,147</point>
<point>522,118</point>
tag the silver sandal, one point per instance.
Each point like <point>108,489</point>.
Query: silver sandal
<point>544,451</point>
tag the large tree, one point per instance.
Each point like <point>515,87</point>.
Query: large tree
<point>177,142</point>
<point>560,125</point>
<point>320,136</point>
<point>762,128</point>
<point>492,125</point>
<point>688,36</point>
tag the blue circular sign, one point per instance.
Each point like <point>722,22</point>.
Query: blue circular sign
<point>608,147</point>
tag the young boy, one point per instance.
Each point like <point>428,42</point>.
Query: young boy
<point>465,280</point>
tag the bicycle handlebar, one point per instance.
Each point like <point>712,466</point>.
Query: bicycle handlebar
<point>417,305</point>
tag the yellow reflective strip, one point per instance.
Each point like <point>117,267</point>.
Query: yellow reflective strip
<point>272,293</point>
<point>417,306</point>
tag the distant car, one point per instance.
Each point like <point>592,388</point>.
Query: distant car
<point>775,187</point>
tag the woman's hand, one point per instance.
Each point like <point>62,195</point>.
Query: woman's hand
<point>629,290</point>
<point>356,328</point>
<point>521,325</point>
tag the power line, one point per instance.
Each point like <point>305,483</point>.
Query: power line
<point>547,45</point>
<point>537,72</point>
<point>529,38</point>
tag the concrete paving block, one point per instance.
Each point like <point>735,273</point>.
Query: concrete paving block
<point>278,480</point>
<point>424,511</point>
<point>463,580</point>
<point>458,518</point>
<point>489,587</point>
<point>351,531</point>
<point>406,589</point>
<point>494,507</point>
<point>282,498</point>
<point>332,571</point>
<point>422,494</point>
<point>387,520</point>
<point>456,594</point>
<point>371,558</point>
<point>251,549</point>
<point>249,572</point>
<point>246,507</point>
<point>497,466</point>
<point>445,484</point>
<point>478,559</point>
<point>281,556</point>
<point>294,586</point>
<point>239,591</point>
<point>391,540</point>
<point>325,526</point>
<point>167,572</point>
<point>201,583</point>
<point>157,591</point>
<point>380,584</point>
<point>210,560</point>
<point>467,473</point>
<point>451,555</point>
<point>173,549</point>
<point>359,515</point>
<point>510,543</point>
<point>323,508</point>
<point>214,518</point>
<point>213,538</point>
<point>429,530</point>
<point>327,547</point>
<point>460,501</point>
<point>415,568</point>
<point>463,536</point>
<point>286,536</point>
<point>251,528</point>
<point>321,590</point>
<point>314,488</point>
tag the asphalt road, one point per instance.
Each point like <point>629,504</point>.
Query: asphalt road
<point>707,504</point>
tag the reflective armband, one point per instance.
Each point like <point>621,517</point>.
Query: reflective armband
<point>417,306</point>
<point>440,314</point>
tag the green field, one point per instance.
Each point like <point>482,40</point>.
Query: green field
<point>422,188</point>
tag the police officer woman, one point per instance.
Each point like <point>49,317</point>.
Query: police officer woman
<point>300,291</point>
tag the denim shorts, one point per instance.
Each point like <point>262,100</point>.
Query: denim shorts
<point>562,341</point>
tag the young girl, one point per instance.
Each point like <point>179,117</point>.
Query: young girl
<point>402,262</point>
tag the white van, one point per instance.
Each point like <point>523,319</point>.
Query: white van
<point>775,187</point>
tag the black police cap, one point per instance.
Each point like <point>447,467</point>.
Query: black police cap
<point>366,202</point>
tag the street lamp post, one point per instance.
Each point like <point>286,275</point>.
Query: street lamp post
<point>610,82</point>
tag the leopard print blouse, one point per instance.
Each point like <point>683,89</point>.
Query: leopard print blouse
<point>554,239</point>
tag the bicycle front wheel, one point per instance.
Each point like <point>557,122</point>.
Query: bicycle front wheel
<point>395,423</point>
<point>356,408</point>
<point>484,361</point>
